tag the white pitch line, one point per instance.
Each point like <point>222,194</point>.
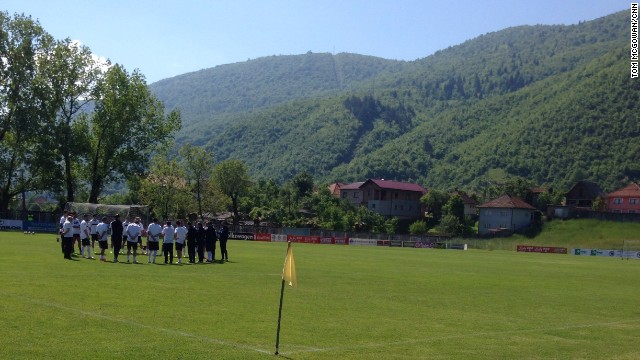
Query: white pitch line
<point>133,323</point>
<point>449,337</point>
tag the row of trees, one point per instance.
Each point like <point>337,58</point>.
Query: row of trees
<point>189,182</point>
<point>70,121</point>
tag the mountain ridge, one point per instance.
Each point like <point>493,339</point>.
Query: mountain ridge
<point>411,120</point>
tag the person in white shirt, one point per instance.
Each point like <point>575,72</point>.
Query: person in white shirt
<point>125,237</point>
<point>63,219</point>
<point>168,233</point>
<point>76,231</point>
<point>181,235</point>
<point>133,231</point>
<point>85,234</point>
<point>67,237</point>
<point>102,230</point>
<point>153,239</point>
<point>94,231</point>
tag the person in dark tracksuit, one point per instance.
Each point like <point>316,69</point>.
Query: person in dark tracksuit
<point>210,239</point>
<point>192,236</point>
<point>117,230</point>
<point>201,242</point>
<point>224,236</point>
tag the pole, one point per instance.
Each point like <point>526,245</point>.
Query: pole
<point>279,317</point>
<point>280,308</point>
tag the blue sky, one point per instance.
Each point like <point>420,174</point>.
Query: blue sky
<point>168,38</point>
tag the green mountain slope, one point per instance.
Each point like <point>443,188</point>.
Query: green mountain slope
<point>550,103</point>
<point>207,97</point>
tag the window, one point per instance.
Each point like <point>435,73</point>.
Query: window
<point>617,201</point>
<point>356,195</point>
<point>344,194</point>
<point>632,211</point>
<point>395,195</point>
<point>633,201</point>
<point>503,213</point>
<point>487,226</point>
<point>373,206</point>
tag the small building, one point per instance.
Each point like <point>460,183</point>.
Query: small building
<point>583,194</point>
<point>625,200</point>
<point>334,188</point>
<point>470,203</point>
<point>505,214</point>
<point>386,197</point>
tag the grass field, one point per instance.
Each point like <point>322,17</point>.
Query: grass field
<point>351,303</point>
<point>576,233</point>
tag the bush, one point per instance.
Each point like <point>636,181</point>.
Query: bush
<point>418,228</point>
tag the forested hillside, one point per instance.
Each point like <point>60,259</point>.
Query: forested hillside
<point>549,103</point>
<point>207,97</point>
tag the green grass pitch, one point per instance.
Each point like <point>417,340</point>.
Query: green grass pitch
<point>351,303</point>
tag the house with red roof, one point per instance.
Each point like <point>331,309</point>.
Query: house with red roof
<point>334,188</point>
<point>386,197</point>
<point>625,200</point>
<point>506,213</point>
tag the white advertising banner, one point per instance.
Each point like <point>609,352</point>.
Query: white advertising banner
<point>607,253</point>
<point>278,237</point>
<point>365,242</point>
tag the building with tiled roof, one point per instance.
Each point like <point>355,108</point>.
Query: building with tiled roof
<point>625,200</point>
<point>583,194</point>
<point>386,197</point>
<point>506,213</point>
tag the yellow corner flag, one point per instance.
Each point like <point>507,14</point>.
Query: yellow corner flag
<point>289,270</point>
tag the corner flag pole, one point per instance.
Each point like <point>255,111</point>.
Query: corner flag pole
<point>288,274</point>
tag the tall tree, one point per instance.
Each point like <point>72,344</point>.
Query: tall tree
<point>198,166</point>
<point>69,76</point>
<point>128,125</point>
<point>233,180</point>
<point>435,201</point>
<point>24,158</point>
<point>455,207</point>
<point>165,188</point>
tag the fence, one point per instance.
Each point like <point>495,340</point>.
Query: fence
<point>35,216</point>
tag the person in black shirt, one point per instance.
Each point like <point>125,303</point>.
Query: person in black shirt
<point>117,231</point>
<point>210,239</point>
<point>223,236</point>
<point>201,242</point>
<point>192,236</point>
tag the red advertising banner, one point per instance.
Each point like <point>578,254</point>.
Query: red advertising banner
<point>304,239</point>
<point>262,237</point>
<point>542,249</point>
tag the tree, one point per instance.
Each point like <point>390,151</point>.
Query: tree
<point>232,179</point>
<point>25,160</point>
<point>435,200</point>
<point>302,184</point>
<point>455,207</point>
<point>127,126</point>
<point>68,80</point>
<point>451,224</point>
<point>198,165</point>
<point>165,189</point>
<point>418,228</point>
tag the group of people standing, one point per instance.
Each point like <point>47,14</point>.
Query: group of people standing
<point>198,239</point>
